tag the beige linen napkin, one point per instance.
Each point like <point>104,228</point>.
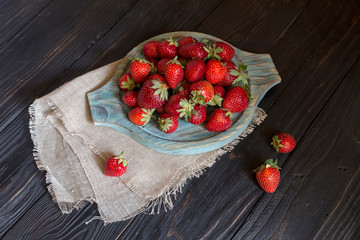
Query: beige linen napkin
<point>73,151</point>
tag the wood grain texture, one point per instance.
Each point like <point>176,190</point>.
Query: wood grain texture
<point>314,45</point>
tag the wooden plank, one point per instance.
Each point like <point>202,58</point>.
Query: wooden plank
<point>185,220</point>
<point>16,14</point>
<point>320,181</point>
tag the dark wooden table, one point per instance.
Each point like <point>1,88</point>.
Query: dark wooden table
<point>315,46</point>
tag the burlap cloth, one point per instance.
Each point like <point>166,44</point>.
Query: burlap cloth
<point>73,151</point>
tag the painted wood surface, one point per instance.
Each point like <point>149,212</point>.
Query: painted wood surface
<point>315,47</point>
<point>108,110</point>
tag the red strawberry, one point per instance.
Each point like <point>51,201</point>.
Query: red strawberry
<point>220,120</point>
<point>173,105</point>
<point>235,100</point>
<point>160,109</point>
<point>155,76</point>
<point>186,40</point>
<point>194,70</point>
<point>283,142</point>
<point>268,176</point>
<point>168,49</point>
<point>194,50</point>
<point>215,72</point>
<point>168,124</point>
<point>126,83</point>
<point>198,115</point>
<point>161,65</point>
<point>183,88</point>
<point>129,98</point>
<point>115,166</point>
<point>229,78</point>
<point>140,116</point>
<point>139,69</point>
<point>153,61</point>
<point>219,93</point>
<point>150,49</point>
<point>227,52</point>
<point>174,73</point>
<point>202,91</point>
<point>153,94</point>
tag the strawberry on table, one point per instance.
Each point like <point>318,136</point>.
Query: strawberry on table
<point>126,83</point>
<point>140,116</point>
<point>129,98</point>
<point>194,50</point>
<point>227,52</point>
<point>215,72</point>
<point>150,49</point>
<point>139,69</point>
<point>198,115</point>
<point>115,166</point>
<point>153,94</point>
<point>235,100</point>
<point>194,70</point>
<point>167,123</point>
<point>268,176</point>
<point>174,73</point>
<point>220,120</point>
<point>283,142</point>
<point>168,48</point>
<point>202,91</point>
<point>186,40</point>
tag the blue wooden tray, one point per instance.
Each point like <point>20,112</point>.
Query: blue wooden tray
<point>108,110</point>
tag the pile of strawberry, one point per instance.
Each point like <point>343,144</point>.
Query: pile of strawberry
<point>182,80</point>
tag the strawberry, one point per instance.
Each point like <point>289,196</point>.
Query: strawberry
<point>183,88</point>
<point>150,49</point>
<point>161,65</point>
<point>155,76</point>
<point>198,116</point>
<point>202,91</point>
<point>215,72</point>
<point>115,166</point>
<point>283,142</point>
<point>268,176</point>
<point>174,73</point>
<point>139,69</point>
<point>235,100</point>
<point>227,52</point>
<point>220,120</point>
<point>194,50</point>
<point>167,123</point>
<point>129,98</point>
<point>160,109</point>
<point>168,48</point>
<point>219,93</point>
<point>126,83</point>
<point>186,40</point>
<point>140,116</point>
<point>194,70</point>
<point>153,61</point>
<point>173,105</point>
<point>153,94</point>
<point>229,78</point>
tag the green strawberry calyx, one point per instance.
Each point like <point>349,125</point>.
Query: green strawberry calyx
<point>187,109</point>
<point>161,89</point>
<point>212,50</point>
<point>197,97</point>
<point>276,143</point>
<point>141,60</point>
<point>129,84</point>
<point>121,159</point>
<point>146,115</point>
<point>267,164</point>
<point>176,61</point>
<point>241,78</point>
<point>228,113</point>
<point>215,101</point>
<point>173,42</point>
<point>165,123</point>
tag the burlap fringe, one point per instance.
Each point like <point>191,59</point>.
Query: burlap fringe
<point>165,200</point>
